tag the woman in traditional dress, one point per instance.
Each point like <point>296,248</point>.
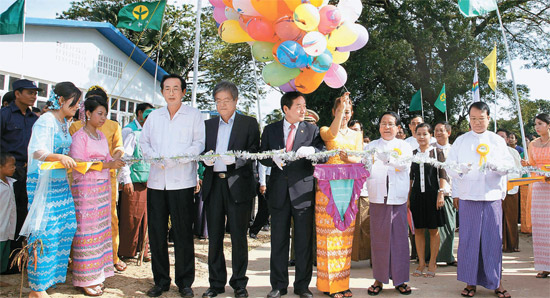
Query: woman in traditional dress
<point>51,223</point>
<point>334,244</point>
<point>92,245</point>
<point>426,198</point>
<point>539,156</point>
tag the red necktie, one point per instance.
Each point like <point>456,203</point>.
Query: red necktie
<point>290,138</point>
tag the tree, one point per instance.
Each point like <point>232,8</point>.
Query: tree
<point>217,60</point>
<point>423,44</point>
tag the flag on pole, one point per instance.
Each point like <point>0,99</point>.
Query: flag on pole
<point>12,20</point>
<point>491,62</point>
<point>474,8</point>
<point>475,87</point>
<point>137,16</point>
<point>441,102</point>
<point>416,102</point>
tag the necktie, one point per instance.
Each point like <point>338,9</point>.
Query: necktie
<point>290,138</point>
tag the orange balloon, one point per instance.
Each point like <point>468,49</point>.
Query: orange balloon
<point>261,29</point>
<point>268,9</point>
<point>292,4</point>
<point>228,3</point>
<point>309,80</point>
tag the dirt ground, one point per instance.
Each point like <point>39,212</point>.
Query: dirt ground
<point>518,277</point>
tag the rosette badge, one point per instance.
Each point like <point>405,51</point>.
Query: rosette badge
<point>482,150</point>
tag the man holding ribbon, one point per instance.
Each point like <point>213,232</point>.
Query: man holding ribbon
<point>479,186</point>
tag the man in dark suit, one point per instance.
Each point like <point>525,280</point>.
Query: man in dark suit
<point>291,194</point>
<point>228,188</point>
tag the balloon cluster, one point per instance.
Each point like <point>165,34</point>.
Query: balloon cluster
<point>303,42</point>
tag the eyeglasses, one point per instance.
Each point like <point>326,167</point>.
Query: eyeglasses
<point>475,119</point>
<point>172,90</point>
<point>223,101</point>
<point>387,124</point>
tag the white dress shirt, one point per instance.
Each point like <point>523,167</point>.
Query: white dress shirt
<point>165,137</point>
<point>477,185</point>
<point>286,129</point>
<point>414,143</point>
<point>8,212</point>
<point>388,179</point>
<point>222,142</point>
<point>365,189</point>
<point>517,163</point>
<point>263,171</point>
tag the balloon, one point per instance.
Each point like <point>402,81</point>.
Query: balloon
<point>286,29</point>
<point>230,31</point>
<point>217,3</point>
<point>322,62</point>
<point>314,43</point>
<point>261,51</point>
<point>316,3</point>
<point>219,14</point>
<point>361,41</point>
<point>342,36</point>
<point>245,7</point>
<point>243,21</point>
<point>268,9</point>
<point>275,74</point>
<point>292,4</point>
<point>336,76</point>
<point>261,29</point>
<point>306,17</point>
<point>228,3</point>
<point>330,18</point>
<point>339,57</point>
<point>351,9</point>
<point>291,54</point>
<point>308,81</point>
<point>231,14</point>
<point>288,87</point>
<point>274,50</point>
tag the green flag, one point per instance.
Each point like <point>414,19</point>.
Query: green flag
<point>135,16</point>
<point>11,20</point>
<point>416,102</point>
<point>474,8</point>
<point>441,102</point>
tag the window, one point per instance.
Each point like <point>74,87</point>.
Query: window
<point>114,103</point>
<point>109,66</point>
<point>122,106</point>
<point>114,116</point>
<point>2,81</point>
<point>12,79</point>
<point>44,88</point>
<point>131,107</point>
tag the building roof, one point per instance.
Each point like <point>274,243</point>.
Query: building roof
<point>112,34</point>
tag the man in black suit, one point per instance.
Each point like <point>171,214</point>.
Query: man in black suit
<point>291,194</point>
<point>228,188</point>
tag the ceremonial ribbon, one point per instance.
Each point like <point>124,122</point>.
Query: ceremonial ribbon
<point>523,181</point>
<point>81,167</point>
<point>398,154</point>
<point>483,150</point>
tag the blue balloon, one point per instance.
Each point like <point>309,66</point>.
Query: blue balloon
<point>322,62</point>
<point>292,55</point>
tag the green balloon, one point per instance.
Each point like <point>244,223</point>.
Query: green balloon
<point>262,51</point>
<point>275,74</point>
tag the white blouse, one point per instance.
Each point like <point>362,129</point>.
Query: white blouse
<point>8,212</point>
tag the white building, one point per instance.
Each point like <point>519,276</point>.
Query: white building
<point>85,53</point>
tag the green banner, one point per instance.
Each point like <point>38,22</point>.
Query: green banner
<point>474,8</point>
<point>141,15</point>
<point>416,101</point>
<point>441,102</point>
<point>11,20</point>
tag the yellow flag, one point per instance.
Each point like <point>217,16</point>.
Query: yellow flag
<point>491,62</point>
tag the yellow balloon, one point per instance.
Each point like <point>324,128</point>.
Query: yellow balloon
<point>316,3</point>
<point>342,36</point>
<point>230,31</point>
<point>306,17</point>
<point>339,57</point>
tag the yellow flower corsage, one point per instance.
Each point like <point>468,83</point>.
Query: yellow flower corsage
<point>483,150</point>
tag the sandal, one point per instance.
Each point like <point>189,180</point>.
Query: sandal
<point>502,294</point>
<point>417,273</point>
<point>374,292</point>
<point>402,288</point>
<point>430,274</point>
<point>347,293</point>
<point>468,292</point>
<point>543,274</point>
<point>337,295</point>
<point>92,291</point>
<point>120,266</point>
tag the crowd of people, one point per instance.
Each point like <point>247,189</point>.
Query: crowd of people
<point>70,200</point>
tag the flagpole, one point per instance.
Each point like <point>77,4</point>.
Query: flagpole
<point>157,66</point>
<point>473,92</point>
<point>446,118</point>
<point>196,55</point>
<point>257,90</point>
<point>23,41</point>
<point>496,107</point>
<point>514,85</point>
<point>421,104</point>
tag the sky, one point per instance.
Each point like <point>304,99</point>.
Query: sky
<point>537,80</point>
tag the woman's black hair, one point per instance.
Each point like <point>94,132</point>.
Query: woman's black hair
<point>429,127</point>
<point>68,90</point>
<point>93,102</point>
<point>543,117</point>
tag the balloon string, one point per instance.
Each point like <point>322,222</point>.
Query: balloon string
<point>346,88</point>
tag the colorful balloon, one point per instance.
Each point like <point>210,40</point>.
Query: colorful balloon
<point>286,29</point>
<point>361,41</point>
<point>292,55</point>
<point>261,51</point>
<point>219,14</point>
<point>268,9</point>
<point>306,16</point>
<point>231,14</point>
<point>342,36</point>
<point>314,43</point>
<point>261,29</point>
<point>275,74</point>
<point>308,81</point>
<point>339,57</point>
<point>336,76</point>
<point>322,62</point>
<point>245,7</point>
<point>230,31</point>
<point>351,9</point>
<point>217,3</point>
<point>228,3</point>
<point>330,19</point>
<point>288,87</point>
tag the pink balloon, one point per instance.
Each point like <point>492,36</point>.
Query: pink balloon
<point>361,41</point>
<point>286,29</point>
<point>330,18</point>
<point>260,29</point>
<point>289,87</point>
<point>336,76</point>
<point>217,3</point>
<point>219,14</point>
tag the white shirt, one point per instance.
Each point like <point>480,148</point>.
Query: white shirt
<point>165,137</point>
<point>127,130</point>
<point>397,176</point>
<point>477,185</point>
<point>286,129</point>
<point>8,212</point>
<point>129,142</point>
<point>517,163</point>
<point>414,143</point>
<point>222,142</point>
<point>364,189</point>
<point>263,171</point>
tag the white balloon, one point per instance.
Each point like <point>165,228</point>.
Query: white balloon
<point>350,9</point>
<point>245,7</point>
<point>314,43</point>
<point>231,14</point>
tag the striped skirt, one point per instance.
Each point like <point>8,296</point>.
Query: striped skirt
<point>540,216</point>
<point>92,245</point>
<point>53,257</point>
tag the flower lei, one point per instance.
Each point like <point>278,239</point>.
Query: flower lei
<point>53,102</point>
